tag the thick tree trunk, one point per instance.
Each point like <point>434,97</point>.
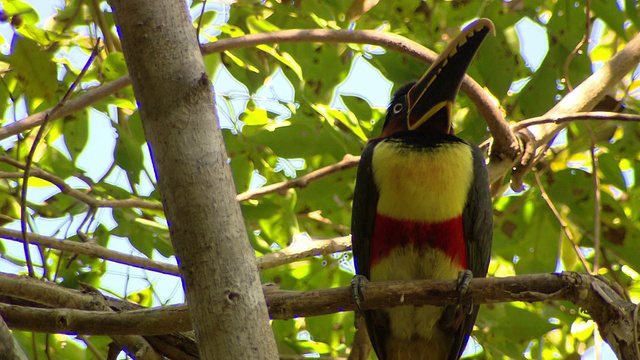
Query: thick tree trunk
<point>217,263</point>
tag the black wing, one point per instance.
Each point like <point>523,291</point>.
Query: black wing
<point>478,218</point>
<point>478,232</point>
<point>365,202</point>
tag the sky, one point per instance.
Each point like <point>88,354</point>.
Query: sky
<point>96,159</point>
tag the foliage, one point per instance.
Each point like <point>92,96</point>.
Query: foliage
<point>278,108</point>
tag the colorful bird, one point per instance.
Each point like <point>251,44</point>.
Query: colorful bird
<point>422,209</point>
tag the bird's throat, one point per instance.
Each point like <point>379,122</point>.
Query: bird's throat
<point>423,184</point>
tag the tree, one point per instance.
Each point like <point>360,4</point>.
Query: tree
<point>286,133</point>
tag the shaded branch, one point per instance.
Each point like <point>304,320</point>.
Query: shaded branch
<point>349,161</point>
<point>93,250</point>
<point>164,320</point>
<point>298,250</point>
<point>80,195</point>
<point>9,346</point>
<point>506,147</point>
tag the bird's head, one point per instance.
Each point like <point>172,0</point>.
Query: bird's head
<point>427,104</point>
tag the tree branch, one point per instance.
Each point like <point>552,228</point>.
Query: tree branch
<point>80,195</point>
<point>557,119</point>
<point>349,161</point>
<point>296,251</point>
<point>71,106</point>
<point>93,250</point>
<point>506,149</point>
<point>300,249</point>
<point>491,113</point>
<point>613,313</point>
<point>9,346</point>
<point>583,98</point>
<point>586,95</point>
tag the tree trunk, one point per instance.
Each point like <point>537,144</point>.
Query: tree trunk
<point>176,105</point>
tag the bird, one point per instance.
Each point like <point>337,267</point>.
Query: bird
<point>422,210</point>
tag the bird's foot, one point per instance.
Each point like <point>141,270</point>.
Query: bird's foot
<point>464,280</point>
<point>453,315</point>
<point>357,285</point>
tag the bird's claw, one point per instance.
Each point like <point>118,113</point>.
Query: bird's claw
<point>453,315</point>
<point>357,285</point>
<point>464,280</point>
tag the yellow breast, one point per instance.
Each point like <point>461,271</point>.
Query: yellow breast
<point>422,184</point>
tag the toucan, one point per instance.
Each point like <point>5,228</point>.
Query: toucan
<point>422,210</point>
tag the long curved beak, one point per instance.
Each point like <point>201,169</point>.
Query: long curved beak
<point>437,89</point>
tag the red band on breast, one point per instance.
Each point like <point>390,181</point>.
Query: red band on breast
<point>390,233</point>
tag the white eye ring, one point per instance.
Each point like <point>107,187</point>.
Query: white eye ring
<point>397,108</point>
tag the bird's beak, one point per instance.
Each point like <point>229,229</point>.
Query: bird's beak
<point>437,89</point>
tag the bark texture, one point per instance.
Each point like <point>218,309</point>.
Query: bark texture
<point>176,105</point>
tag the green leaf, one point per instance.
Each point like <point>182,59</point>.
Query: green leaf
<point>20,8</point>
<point>346,118</point>
<point>359,107</point>
<point>129,156</point>
<point>609,12</point>
<point>143,297</point>
<point>43,346</point>
<point>256,25</point>
<point>35,68</point>
<point>255,117</point>
<point>497,50</point>
<point>54,161</point>
<point>76,132</point>
<point>524,325</point>
<point>610,168</point>
<point>285,59</point>
<point>127,227</point>
<point>114,66</point>
<point>631,9</point>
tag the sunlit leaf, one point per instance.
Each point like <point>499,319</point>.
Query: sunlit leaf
<point>35,69</point>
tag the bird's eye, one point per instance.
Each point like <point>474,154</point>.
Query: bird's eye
<point>397,108</point>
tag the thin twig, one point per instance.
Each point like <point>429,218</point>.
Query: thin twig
<point>576,50</point>
<point>635,330</point>
<point>68,108</point>
<point>563,224</point>
<point>32,151</point>
<point>91,347</point>
<point>580,116</point>
<point>91,249</point>
<point>77,194</point>
<point>204,5</point>
<point>597,199</point>
<point>348,162</point>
